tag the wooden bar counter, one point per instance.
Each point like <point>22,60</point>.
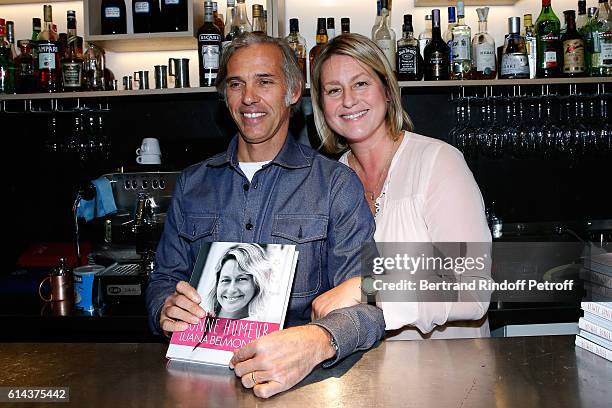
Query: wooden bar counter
<point>502,372</point>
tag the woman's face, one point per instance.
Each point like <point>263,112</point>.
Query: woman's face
<point>235,289</point>
<point>354,99</point>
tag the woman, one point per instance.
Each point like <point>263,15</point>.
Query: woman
<point>418,188</point>
<point>241,276</point>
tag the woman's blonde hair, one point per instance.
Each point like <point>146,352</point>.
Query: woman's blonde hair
<point>252,259</point>
<point>367,52</point>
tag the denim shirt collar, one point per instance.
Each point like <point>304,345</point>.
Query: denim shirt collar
<point>291,155</point>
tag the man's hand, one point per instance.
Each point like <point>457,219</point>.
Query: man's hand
<point>281,359</point>
<point>180,309</point>
<point>348,293</point>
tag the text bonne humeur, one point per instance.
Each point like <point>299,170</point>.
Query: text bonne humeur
<point>224,332</point>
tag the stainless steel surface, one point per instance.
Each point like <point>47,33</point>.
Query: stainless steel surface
<point>513,372</point>
<point>179,69</point>
<point>126,187</point>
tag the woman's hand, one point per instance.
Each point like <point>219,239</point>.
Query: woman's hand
<point>348,293</point>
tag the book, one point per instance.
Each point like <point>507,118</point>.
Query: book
<point>596,278</point>
<point>592,318</point>
<point>593,348</point>
<point>601,263</point>
<point>601,309</point>
<point>245,289</point>
<point>600,341</point>
<point>596,329</point>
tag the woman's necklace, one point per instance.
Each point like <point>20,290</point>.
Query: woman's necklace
<point>372,194</point>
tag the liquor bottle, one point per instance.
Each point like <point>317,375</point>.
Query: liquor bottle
<point>259,23</point>
<point>298,44</point>
<point>7,81</point>
<point>384,36</point>
<point>345,24</point>
<point>218,19</point>
<point>10,37</point>
<point>72,61</point>
<point>581,19</point>
<point>48,55</point>
<point>240,23</point>
<point>331,28</point>
<point>573,48</point>
<point>425,36</point>
<point>515,63</point>
<point>548,43</point>
<point>321,40</point>
<point>452,22</point>
<point>230,13</point>
<point>113,17</point>
<point>94,68</point>
<point>483,49</point>
<point>174,15</point>
<point>531,42</point>
<point>437,54</point>
<point>461,60</point>
<point>377,19</point>
<point>587,35</point>
<point>25,81</point>
<point>601,60</point>
<point>145,16</point>
<point>34,37</point>
<point>409,60</point>
<point>209,44</point>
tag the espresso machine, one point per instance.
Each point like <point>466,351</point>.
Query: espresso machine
<point>129,237</point>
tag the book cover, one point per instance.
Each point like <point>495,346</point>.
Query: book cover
<point>593,348</point>
<point>596,329</point>
<point>601,263</point>
<point>592,318</point>
<point>600,341</point>
<point>596,278</point>
<point>245,289</point>
<point>601,309</point>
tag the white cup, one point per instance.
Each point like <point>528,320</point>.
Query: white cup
<point>148,159</point>
<point>150,145</point>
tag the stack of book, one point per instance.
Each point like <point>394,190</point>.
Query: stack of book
<point>596,325</point>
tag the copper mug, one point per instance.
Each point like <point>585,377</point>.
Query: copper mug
<point>61,288</point>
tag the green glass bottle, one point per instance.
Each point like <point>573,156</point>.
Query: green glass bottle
<point>550,58</point>
<point>601,59</point>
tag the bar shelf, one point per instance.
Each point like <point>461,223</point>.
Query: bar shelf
<point>403,84</point>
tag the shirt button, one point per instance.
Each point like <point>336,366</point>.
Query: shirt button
<point>249,226</point>
<point>245,187</point>
<point>255,186</point>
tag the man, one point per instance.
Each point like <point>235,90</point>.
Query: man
<point>267,188</point>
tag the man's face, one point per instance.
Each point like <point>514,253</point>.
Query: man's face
<point>255,92</point>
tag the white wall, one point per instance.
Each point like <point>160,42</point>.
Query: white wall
<point>361,13</point>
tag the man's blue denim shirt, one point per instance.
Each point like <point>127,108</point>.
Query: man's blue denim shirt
<point>300,198</point>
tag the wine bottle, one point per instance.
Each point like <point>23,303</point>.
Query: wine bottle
<point>436,60</point>
<point>548,30</point>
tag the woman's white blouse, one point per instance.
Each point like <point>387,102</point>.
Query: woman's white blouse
<point>430,195</point>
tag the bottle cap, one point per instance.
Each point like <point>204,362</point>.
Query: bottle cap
<point>321,27</point>
<point>257,10</point>
<point>451,14</point>
<point>483,13</point>
<point>331,22</point>
<point>591,11</point>
<point>460,9</point>
<point>435,18</point>
<point>569,13</point>
<point>231,3</point>
<point>407,27</point>
<point>581,6</point>
<point>514,25</point>
<point>294,25</point>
